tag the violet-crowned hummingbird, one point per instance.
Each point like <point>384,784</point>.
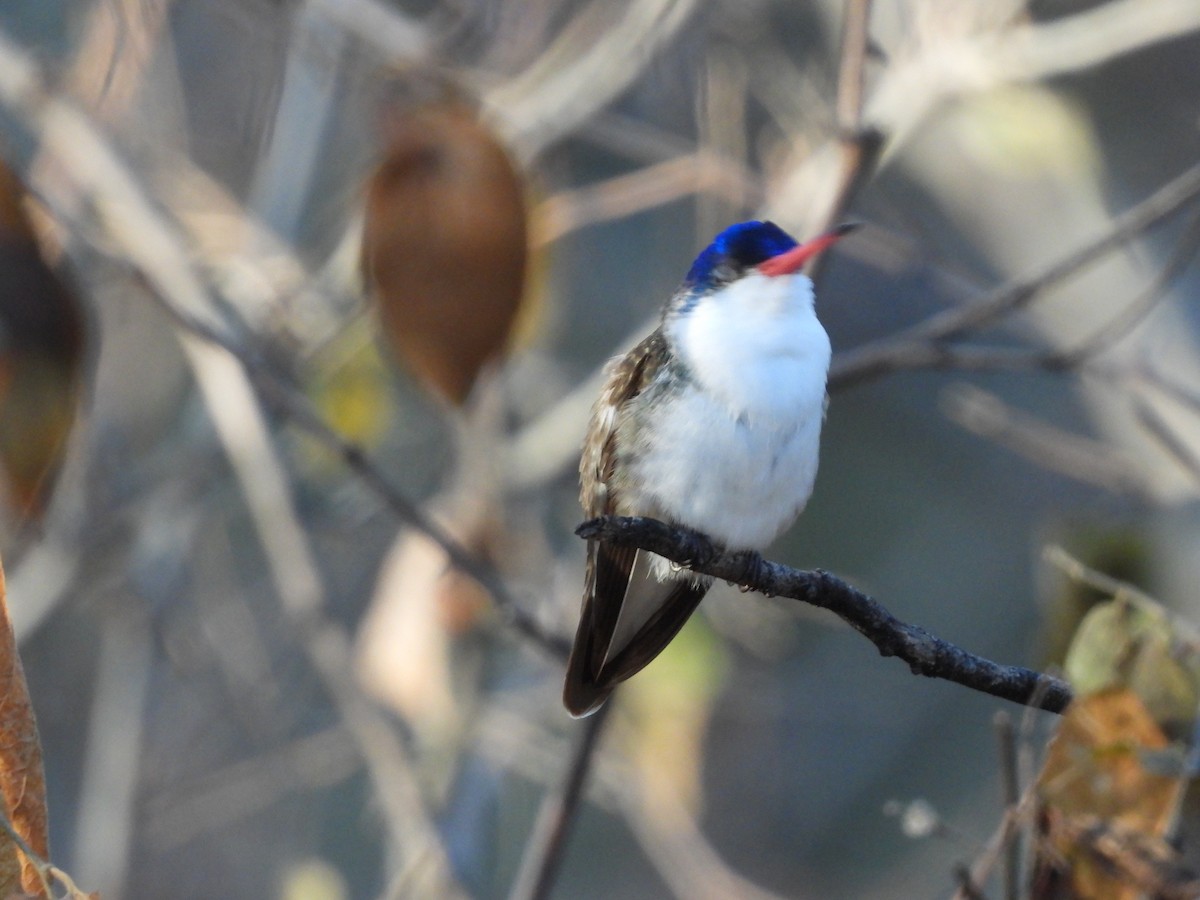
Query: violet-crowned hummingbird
<point>712,422</point>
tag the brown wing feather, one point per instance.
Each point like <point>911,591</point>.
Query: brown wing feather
<point>589,680</point>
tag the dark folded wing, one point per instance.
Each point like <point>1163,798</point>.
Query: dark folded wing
<point>608,567</point>
<point>675,602</point>
<point>607,574</point>
<point>594,669</point>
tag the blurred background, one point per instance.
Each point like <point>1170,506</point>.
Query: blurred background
<point>289,285</point>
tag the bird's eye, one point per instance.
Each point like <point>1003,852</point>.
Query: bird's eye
<point>725,273</point>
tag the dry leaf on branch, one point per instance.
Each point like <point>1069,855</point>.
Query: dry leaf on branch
<point>22,782</point>
<point>445,244</point>
<point>1110,789</point>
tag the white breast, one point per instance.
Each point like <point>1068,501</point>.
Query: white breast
<point>735,453</point>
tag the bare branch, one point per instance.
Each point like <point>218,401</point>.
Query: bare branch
<point>970,358</point>
<point>1006,740</point>
<point>244,432</point>
<point>595,57</point>
<point>671,840</point>
<point>548,842</point>
<point>382,25</point>
<point>1181,257</point>
<point>1075,456</point>
<point>1161,431</point>
<point>633,192</point>
<point>1015,819</point>
<point>859,146</point>
<point>918,346</point>
<point>227,374</point>
<point>853,65</point>
<point>951,65</point>
<point>925,653</point>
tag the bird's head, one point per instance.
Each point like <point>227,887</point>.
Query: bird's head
<point>743,322</point>
<point>749,248</point>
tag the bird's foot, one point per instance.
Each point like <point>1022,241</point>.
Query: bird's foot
<point>698,548</point>
<point>751,562</point>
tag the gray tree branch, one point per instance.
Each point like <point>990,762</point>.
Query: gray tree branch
<point>925,653</point>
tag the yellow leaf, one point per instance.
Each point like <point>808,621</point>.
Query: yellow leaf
<point>1132,642</point>
<point>350,388</point>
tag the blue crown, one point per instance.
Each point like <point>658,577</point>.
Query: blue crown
<point>733,251</point>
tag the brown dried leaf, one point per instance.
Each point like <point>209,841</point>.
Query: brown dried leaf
<point>22,782</point>
<point>445,244</point>
<point>1098,785</point>
<point>1131,864</point>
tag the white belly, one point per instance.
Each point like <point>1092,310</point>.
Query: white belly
<point>738,481</point>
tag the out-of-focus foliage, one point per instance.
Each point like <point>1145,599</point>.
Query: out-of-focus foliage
<point>42,329</point>
<point>1131,642</point>
<point>445,243</point>
<point>351,388</point>
<point>668,713</point>
<point>1109,792</point>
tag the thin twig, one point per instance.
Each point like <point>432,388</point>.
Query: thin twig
<point>917,346</point>
<point>46,870</point>
<point>950,66</point>
<point>973,358</point>
<point>154,250</point>
<point>1161,431</point>
<point>548,843</point>
<point>1083,574</point>
<point>967,888</point>
<point>670,837</point>
<point>925,653</point>
<point>302,414</point>
<point>702,172</point>
<point>1151,374</point>
<point>219,799</point>
<point>1054,449</point>
<point>673,843</point>
<point>1014,819</point>
<point>852,67</point>
<point>595,57</point>
<point>859,146</point>
<point>1006,740</point>
<point>1182,254</point>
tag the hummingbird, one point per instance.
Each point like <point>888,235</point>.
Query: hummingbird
<point>712,422</point>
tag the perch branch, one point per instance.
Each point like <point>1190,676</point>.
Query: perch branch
<point>925,653</point>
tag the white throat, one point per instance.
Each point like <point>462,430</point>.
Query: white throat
<point>756,345</point>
